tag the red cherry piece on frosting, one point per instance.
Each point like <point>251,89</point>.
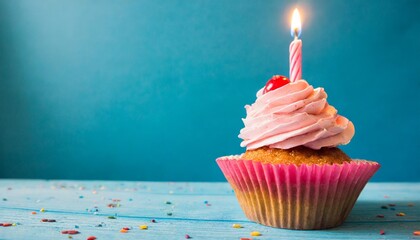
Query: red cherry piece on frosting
<point>275,82</point>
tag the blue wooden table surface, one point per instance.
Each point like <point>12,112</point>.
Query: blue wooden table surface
<point>172,210</point>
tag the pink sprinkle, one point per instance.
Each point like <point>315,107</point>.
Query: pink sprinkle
<point>382,232</point>
<point>380,216</point>
<point>187,236</point>
<point>153,220</point>
<point>392,205</point>
<point>91,238</point>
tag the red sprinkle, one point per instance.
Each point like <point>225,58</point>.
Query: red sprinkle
<point>382,232</point>
<point>245,239</point>
<point>91,238</point>
<point>392,205</point>
<point>187,236</point>
<point>71,232</point>
<point>126,228</point>
<point>153,220</point>
<point>416,233</point>
<point>380,216</point>
<point>6,224</point>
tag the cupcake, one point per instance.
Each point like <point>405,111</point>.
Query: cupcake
<point>292,175</point>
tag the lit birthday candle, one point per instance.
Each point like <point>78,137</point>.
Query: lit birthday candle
<point>295,49</point>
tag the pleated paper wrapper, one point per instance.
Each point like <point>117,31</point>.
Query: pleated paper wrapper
<point>297,197</point>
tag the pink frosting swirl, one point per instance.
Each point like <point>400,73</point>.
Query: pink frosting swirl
<point>294,115</point>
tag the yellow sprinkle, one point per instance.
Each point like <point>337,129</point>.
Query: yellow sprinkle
<point>13,224</point>
<point>42,210</point>
<point>254,234</point>
<point>400,214</point>
<point>235,225</point>
<point>143,227</point>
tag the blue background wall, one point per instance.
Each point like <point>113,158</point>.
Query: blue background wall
<point>154,90</point>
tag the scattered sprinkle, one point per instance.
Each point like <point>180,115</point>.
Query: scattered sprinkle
<point>153,220</point>
<point>143,227</point>
<point>255,233</point>
<point>76,226</point>
<point>169,214</point>
<point>33,213</point>
<point>112,205</point>
<point>416,233</point>
<point>91,238</point>
<point>380,216</point>
<point>393,209</point>
<point>235,225</point>
<point>410,204</point>
<point>71,232</point>
<point>168,202</point>
<point>392,205</point>
<point>401,214</point>
<point>47,220</point>
<point>205,202</point>
<point>6,224</point>
<point>187,236</point>
<point>14,224</point>
<point>245,239</point>
<point>208,204</point>
<point>384,207</point>
<point>42,210</point>
<point>382,232</point>
<point>4,199</point>
<point>81,196</point>
<point>130,199</point>
<point>111,217</point>
<point>124,230</point>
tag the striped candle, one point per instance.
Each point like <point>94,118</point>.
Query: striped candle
<point>295,49</point>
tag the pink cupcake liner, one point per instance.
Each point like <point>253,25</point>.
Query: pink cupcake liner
<point>297,197</point>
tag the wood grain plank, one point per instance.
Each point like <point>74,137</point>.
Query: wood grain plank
<point>85,204</point>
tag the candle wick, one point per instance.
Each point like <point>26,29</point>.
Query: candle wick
<point>296,33</point>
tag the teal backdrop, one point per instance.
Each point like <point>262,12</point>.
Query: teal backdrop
<point>155,90</point>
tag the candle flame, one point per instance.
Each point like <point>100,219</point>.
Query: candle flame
<point>296,26</point>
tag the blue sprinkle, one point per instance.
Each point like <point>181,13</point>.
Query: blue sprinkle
<point>75,226</point>
<point>81,196</point>
<point>205,202</point>
<point>392,208</point>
